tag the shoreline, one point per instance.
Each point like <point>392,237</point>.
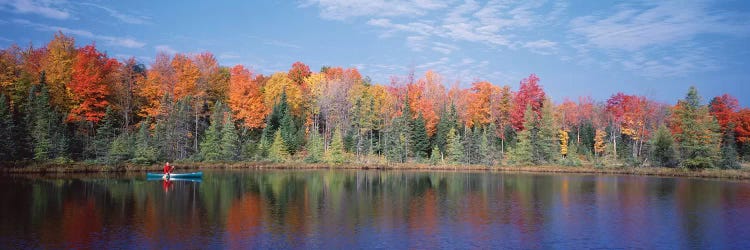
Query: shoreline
<point>738,174</point>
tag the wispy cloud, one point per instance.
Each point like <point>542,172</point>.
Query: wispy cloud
<point>48,9</point>
<point>494,23</point>
<point>278,43</point>
<point>543,47</point>
<point>165,48</point>
<point>110,40</point>
<point>343,9</point>
<point>125,18</point>
<point>658,23</point>
<point>656,38</point>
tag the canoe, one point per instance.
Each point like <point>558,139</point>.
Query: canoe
<point>174,179</point>
<point>176,175</point>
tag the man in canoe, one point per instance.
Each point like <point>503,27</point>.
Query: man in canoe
<point>167,170</point>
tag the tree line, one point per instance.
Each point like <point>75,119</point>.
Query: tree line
<point>61,103</point>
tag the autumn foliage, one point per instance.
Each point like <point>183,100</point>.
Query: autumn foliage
<point>245,98</point>
<point>92,72</point>
<point>169,101</point>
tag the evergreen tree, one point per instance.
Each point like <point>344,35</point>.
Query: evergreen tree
<point>485,150</point>
<point>447,121</point>
<point>523,152</point>
<point>121,149</point>
<point>729,157</point>
<point>273,120</point>
<point>420,141</point>
<point>664,152</point>
<point>278,150</point>
<point>454,150</point>
<point>8,141</point>
<point>42,119</point>
<point>263,145</point>
<point>229,140</point>
<point>700,138</point>
<point>397,140</point>
<point>210,147</point>
<point>435,156</point>
<point>288,130</point>
<point>471,146</point>
<point>335,153</point>
<point>315,150</point>
<point>105,135</point>
<point>546,141</point>
<point>145,153</point>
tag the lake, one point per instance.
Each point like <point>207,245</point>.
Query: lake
<point>349,209</point>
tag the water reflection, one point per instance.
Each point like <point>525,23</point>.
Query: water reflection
<point>373,209</point>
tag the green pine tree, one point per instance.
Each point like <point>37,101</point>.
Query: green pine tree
<point>420,140</point>
<point>278,150</point>
<point>664,152</point>
<point>485,150</point>
<point>8,141</point>
<point>105,135</point>
<point>42,122</point>
<point>229,140</point>
<point>288,130</point>
<point>315,148</point>
<point>145,153</point>
<point>435,156</point>
<point>335,152</point>
<point>523,152</point>
<point>729,156</point>
<point>444,125</point>
<point>210,147</point>
<point>122,149</point>
<point>547,143</point>
<point>454,150</point>
<point>700,138</point>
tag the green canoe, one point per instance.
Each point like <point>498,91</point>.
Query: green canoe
<point>176,175</point>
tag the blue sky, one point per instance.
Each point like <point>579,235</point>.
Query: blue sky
<point>597,48</point>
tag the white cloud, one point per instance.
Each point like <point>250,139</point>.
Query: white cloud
<point>48,9</point>
<point>443,47</point>
<point>416,43</point>
<point>278,43</point>
<point>165,48</point>
<point>344,9</point>
<point>658,23</point>
<point>495,23</point>
<point>653,39</point>
<point>131,19</point>
<point>543,47</point>
<point>111,40</point>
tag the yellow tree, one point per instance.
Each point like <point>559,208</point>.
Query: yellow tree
<point>245,98</point>
<point>599,145</point>
<point>563,142</point>
<point>280,83</point>
<point>58,69</point>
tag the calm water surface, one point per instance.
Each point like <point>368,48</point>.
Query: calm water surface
<point>335,209</point>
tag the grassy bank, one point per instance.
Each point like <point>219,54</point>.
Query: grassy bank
<point>743,174</point>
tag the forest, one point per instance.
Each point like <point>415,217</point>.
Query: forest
<point>63,103</point>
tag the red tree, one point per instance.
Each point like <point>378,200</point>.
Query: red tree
<point>742,130</point>
<point>724,108</point>
<point>299,72</point>
<point>530,93</point>
<point>90,71</point>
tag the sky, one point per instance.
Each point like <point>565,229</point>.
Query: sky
<point>577,48</point>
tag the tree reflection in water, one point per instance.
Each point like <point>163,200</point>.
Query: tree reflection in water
<point>378,209</point>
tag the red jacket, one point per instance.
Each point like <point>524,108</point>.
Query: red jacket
<point>167,169</point>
